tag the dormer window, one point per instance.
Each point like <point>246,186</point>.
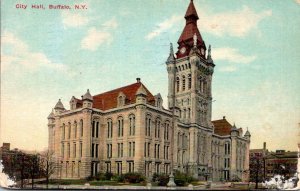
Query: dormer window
<point>158,101</point>
<point>121,99</point>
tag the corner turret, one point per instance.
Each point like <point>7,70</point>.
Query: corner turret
<point>141,95</point>
<point>87,100</point>
<point>59,107</point>
<point>247,135</point>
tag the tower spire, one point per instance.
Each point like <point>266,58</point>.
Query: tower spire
<point>187,38</point>
<point>171,57</point>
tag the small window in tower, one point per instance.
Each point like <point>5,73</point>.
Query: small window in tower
<point>190,81</point>
<point>183,83</point>
<point>177,84</point>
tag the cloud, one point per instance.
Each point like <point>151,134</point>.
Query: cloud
<point>230,68</point>
<point>231,55</point>
<point>73,19</point>
<point>95,38</point>
<point>111,24</point>
<point>163,26</point>
<point>234,23</point>
<point>15,52</point>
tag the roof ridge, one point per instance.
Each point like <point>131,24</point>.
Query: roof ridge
<point>119,88</point>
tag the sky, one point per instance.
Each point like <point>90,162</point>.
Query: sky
<point>48,55</point>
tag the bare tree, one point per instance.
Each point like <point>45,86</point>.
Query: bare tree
<point>47,164</point>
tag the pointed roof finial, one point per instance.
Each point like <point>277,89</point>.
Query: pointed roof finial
<point>171,57</point>
<point>195,38</point>
<point>191,11</point>
<point>59,105</point>
<point>171,49</point>
<point>87,95</point>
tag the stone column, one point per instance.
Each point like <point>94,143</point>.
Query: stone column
<point>139,164</point>
<point>233,156</point>
<point>86,143</point>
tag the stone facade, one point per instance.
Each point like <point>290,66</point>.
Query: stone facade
<point>128,129</point>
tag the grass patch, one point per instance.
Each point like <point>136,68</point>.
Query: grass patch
<point>93,183</point>
<point>64,181</point>
<point>198,183</point>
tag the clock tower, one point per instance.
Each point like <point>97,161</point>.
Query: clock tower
<point>190,75</point>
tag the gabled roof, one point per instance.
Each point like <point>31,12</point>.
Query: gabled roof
<point>109,100</point>
<point>222,127</point>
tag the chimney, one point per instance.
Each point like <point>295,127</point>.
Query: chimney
<point>224,117</point>
<point>138,80</point>
<point>265,145</point>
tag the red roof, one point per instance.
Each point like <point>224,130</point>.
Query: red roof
<point>222,127</point>
<point>191,11</point>
<point>109,100</point>
<point>186,37</point>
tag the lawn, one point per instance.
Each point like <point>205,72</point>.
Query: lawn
<point>93,182</point>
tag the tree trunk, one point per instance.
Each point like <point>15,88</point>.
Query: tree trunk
<point>47,174</point>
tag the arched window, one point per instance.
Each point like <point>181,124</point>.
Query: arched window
<point>69,130</point>
<point>148,126</point>
<point>190,81</point>
<point>177,84</point>
<point>63,135</point>
<point>183,83</point>
<point>189,113</point>
<point>120,127</point>
<point>81,127</point>
<point>75,129</point>
<point>131,124</point>
<point>109,128</point>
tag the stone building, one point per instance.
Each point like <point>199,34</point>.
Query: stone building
<point>128,129</point>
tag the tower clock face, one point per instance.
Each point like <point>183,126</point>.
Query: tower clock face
<point>182,50</point>
<point>202,51</point>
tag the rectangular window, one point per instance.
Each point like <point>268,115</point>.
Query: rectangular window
<point>107,149</point>
<point>148,149</point>
<point>80,149</point>
<point>158,151</point>
<point>119,168</point>
<point>133,126</point>
<point>68,150</point>
<point>155,151</point>
<point>108,167</point>
<point>109,129</point>
<point>133,149</point>
<point>74,150</point>
<point>121,149</point>
<point>93,129</point>
<point>92,149</point>
<point>81,128</point>
<point>69,132</point>
<point>130,166</point>
<point>145,149</point>
<point>129,151</point>
<point>97,129</point>
<point>62,150</point>
<point>97,145</point>
<point>167,152</point>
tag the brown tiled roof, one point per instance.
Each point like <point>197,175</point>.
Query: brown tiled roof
<point>222,127</point>
<point>108,100</point>
<point>186,37</point>
<point>191,11</point>
<point>79,103</point>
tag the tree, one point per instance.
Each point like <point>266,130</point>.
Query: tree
<point>47,164</point>
<point>256,170</point>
